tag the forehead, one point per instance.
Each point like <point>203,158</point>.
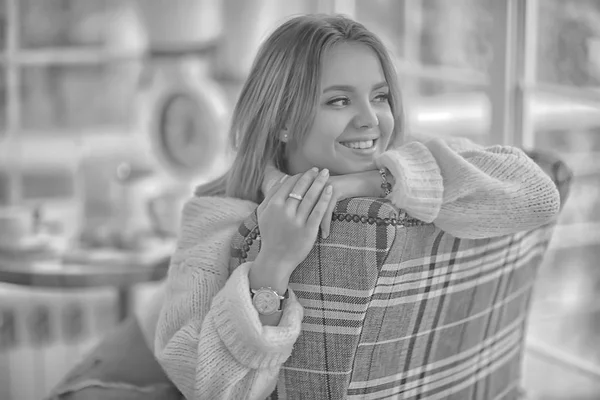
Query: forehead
<point>353,64</point>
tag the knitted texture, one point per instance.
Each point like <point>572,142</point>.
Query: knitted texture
<point>418,185</point>
<point>406,311</point>
<point>470,191</point>
<point>209,338</point>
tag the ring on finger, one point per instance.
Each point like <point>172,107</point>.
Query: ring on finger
<point>302,185</point>
<point>295,196</point>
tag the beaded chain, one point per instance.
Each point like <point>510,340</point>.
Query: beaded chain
<point>400,222</point>
<point>385,185</point>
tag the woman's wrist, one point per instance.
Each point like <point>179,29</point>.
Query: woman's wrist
<point>376,182</point>
<point>266,272</point>
<point>373,182</point>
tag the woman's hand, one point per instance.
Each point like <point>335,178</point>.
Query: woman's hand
<point>289,226</point>
<point>360,184</point>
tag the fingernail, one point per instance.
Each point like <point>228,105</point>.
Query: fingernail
<point>324,172</point>
<point>328,189</point>
<point>314,169</point>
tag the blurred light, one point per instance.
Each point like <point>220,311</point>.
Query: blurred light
<point>432,116</point>
<point>123,171</point>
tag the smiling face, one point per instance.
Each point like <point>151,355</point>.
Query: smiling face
<point>353,120</point>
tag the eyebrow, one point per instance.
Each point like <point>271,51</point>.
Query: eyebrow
<point>348,88</point>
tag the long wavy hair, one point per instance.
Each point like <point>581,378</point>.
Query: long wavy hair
<point>282,91</point>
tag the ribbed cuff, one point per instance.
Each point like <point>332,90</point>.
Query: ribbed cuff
<point>239,327</point>
<point>418,188</point>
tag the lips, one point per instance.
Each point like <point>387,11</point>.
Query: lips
<point>360,144</point>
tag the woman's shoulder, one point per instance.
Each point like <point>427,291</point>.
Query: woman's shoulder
<point>216,208</point>
<point>205,218</point>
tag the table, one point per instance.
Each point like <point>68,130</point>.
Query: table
<point>81,268</point>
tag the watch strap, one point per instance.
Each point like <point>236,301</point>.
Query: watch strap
<point>285,295</point>
<point>281,298</point>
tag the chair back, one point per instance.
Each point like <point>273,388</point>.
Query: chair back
<point>396,308</point>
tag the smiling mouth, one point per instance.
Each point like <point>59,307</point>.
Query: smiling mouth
<point>360,145</point>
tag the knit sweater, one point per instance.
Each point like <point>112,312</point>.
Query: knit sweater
<point>209,338</point>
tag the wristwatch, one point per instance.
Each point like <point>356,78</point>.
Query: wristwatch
<point>267,301</point>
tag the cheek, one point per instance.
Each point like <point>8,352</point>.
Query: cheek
<point>315,144</point>
<point>386,124</point>
<point>327,128</point>
<point>318,145</point>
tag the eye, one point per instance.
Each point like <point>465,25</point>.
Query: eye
<point>339,102</point>
<point>382,97</point>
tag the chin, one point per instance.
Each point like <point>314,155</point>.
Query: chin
<point>353,168</point>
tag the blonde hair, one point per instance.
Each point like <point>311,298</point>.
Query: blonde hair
<point>282,91</point>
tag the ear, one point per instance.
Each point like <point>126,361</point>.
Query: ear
<point>284,135</point>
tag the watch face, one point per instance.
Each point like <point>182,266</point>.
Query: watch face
<point>265,302</point>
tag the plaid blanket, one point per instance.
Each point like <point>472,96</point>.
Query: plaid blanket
<point>395,308</point>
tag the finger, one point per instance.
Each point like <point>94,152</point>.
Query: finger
<point>316,216</point>
<point>280,193</point>
<point>300,188</point>
<point>327,218</point>
<point>312,195</point>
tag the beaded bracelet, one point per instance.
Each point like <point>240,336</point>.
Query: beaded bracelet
<point>385,185</point>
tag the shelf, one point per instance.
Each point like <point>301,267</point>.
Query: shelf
<point>98,55</point>
<point>68,56</point>
<point>63,149</point>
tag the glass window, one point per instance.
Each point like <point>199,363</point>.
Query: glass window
<point>443,108</point>
<point>454,34</point>
<point>386,19</point>
<point>457,34</point>
<point>569,42</point>
<point>443,54</point>
<point>3,95</point>
<point>3,24</point>
<point>565,111</point>
<point>566,101</point>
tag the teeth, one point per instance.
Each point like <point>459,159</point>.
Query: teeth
<point>366,144</point>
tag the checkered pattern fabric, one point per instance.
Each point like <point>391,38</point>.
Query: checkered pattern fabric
<point>406,311</point>
<point>398,309</point>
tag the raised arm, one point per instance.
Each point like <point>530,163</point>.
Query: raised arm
<point>209,338</point>
<point>468,190</point>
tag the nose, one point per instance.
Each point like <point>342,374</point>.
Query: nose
<point>365,117</point>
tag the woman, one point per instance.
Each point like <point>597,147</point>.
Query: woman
<point>321,104</point>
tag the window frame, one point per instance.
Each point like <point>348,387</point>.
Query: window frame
<point>511,87</point>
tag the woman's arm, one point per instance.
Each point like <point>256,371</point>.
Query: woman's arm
<point>209,338</point>
<point>468,190</point>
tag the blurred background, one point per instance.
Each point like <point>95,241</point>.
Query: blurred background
<point>111,111</point>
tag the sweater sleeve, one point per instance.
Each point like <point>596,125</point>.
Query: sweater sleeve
<point>470,191</point>
<point>209,338</point>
